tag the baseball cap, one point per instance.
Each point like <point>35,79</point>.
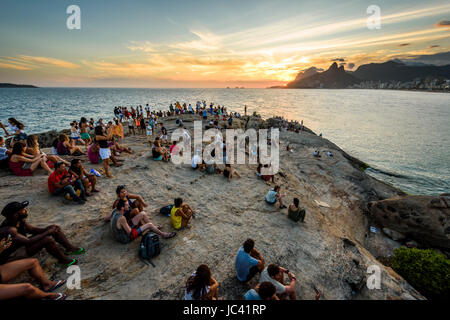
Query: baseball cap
<point>13,207</point>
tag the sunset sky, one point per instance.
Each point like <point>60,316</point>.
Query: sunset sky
<point>143,43</point>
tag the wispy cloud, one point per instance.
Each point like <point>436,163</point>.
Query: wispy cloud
<point>25,62</point>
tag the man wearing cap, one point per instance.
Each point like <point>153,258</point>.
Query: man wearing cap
<point>16,214</point>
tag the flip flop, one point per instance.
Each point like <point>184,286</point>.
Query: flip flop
<point>61,296</point>
<point>74,261</point>
<point>78,252</point>
<point>56,286</point>
<point>171,235</point>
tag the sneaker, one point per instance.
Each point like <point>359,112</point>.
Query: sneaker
<point>283,207</point>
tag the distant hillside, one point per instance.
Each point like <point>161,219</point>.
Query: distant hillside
<point>12,85</point>
<point>334,78</point>
<point>392,70</point>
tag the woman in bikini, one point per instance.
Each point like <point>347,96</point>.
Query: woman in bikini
<point>158,152</point>
<point>23,165</point>
<point>34,150</point>
<point>79,172</point>
<point>67,148</point>
<point>84,131</point>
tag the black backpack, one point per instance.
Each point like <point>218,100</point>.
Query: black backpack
<point>149,248</point>
<point>166,210</point>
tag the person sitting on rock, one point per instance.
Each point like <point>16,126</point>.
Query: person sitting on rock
<point>181,214</point>
<point>33,149</point>
<point>275,275</point>
<point>62,182</point>
<point>248,261</point>
<point>125,231</point>
<point>295,213</point>
<point>78,172</point>
<point>11,270</point>
<point>316,154</point>
<point>48,238</point>
<point>4,154</point>
<point>135,206</point>
<point>274,195</point>
<point>265,177</point>
<point>23,164</point>
<point>201,285</point>
<point>159,153</point>
<point>262,291</point>
<point>66,147</point>
<point>229,172</point>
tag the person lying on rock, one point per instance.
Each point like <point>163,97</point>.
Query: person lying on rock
<point>181,214</point>
<point>16,214</point>
<point>135,206</point>
<point>62,182</point>
<point>125,231</point>
<point>248,261</point>
<point>275,275</point>
<point>201,285</point>
<point>11,270</point>
<point>274,195</point>
<point>262,291</point>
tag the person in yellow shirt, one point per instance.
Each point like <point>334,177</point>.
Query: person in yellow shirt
<point>117,131</point>
<point>181,214</point>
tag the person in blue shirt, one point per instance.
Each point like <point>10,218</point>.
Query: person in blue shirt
<point>205,114</point>
<point>263,291</point>
<point>248,262</point>
<point>274,195</point>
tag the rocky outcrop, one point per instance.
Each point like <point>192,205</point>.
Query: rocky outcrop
<point>335,78</point>
<point>46,138</point>
<point>425,219</point>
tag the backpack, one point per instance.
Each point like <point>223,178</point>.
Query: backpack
<point>149,248</point>
<point>296,216</point>
<point>166,210</point>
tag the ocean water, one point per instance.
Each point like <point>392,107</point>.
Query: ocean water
<point>403,135</point>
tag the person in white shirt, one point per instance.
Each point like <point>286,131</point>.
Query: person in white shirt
<point>275,274</point>
<point>196,162</point>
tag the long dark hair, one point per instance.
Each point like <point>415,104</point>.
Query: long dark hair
<point>32,141</point>
<point>18,124</point>
<point>18,148</point>
<point>99,130</point>
<point>73,168</point>
<point>197,284</point>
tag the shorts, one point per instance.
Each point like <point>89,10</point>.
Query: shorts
<point>20,136</point>
<point>26,165</point>
<point>271,203</point>
<point>105,153</point>
<point>158,159</point>
<point>74,138</point>
<point>194,168</point>
<point>85,136</point>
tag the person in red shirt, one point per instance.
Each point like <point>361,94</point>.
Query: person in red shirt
<point>60,182</point>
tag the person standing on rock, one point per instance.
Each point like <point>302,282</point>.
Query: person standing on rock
<point>248,261</point>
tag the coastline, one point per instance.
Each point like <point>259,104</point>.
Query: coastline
<point>334,191</point>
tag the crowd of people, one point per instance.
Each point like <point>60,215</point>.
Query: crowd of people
<point>128,220</point>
